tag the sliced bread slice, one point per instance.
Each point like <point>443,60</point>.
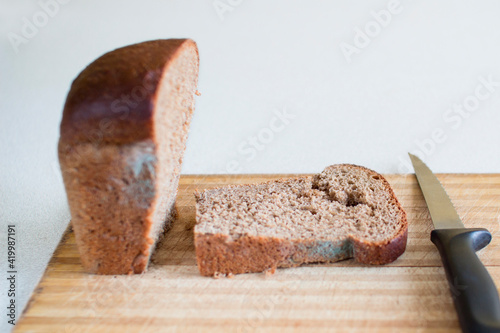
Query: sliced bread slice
<point>345,211</point>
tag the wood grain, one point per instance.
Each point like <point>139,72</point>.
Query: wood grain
<point>409,295</point>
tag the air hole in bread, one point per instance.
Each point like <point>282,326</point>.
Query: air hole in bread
<point>352,200</point>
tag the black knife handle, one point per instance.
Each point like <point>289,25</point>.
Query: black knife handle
<point>474,292</point>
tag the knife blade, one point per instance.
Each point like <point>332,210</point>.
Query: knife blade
<point>474,293</point>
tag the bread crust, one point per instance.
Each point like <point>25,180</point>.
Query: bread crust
<point>113,159</point>
<point>112,99</point>
<point>218,254</point>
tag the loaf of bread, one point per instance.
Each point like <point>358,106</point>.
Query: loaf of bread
<point>123,135</point>
<point>345,211</point>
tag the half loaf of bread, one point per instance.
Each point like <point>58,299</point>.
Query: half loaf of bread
<point>123,135</point>
<point>345,211</point>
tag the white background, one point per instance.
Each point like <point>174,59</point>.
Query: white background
<point>257,58</point>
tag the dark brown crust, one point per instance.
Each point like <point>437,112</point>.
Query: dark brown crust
<point>247,254</point>
<point>216,254</point>
<point>112,100</point>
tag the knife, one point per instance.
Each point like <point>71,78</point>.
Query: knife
<point>474,293</point>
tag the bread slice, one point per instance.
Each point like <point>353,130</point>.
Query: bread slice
<point>123,135</point>
<point>345,211</point>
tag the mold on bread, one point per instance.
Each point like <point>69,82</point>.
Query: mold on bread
<point>345,211</point>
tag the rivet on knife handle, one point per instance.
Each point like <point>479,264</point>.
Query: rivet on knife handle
<point>474,293</point>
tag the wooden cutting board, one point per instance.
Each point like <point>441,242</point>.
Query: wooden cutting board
<point>409,295</point>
